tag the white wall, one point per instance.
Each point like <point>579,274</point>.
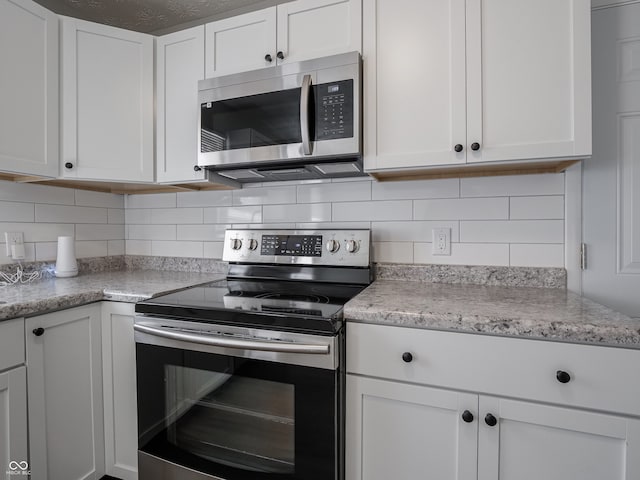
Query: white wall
<point>509,221</point>
<point>43,213</point>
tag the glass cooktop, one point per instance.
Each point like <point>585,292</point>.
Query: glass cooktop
<point>283,305</point>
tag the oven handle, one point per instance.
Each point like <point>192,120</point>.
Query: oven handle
<point>305,91</point>
<point>222,341</point>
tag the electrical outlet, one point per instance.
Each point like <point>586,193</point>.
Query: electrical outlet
<point>441,242</point>
<point>11,239</point>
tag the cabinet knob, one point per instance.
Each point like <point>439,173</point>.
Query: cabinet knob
<point>458,148</point>
<point>475,146</point>
<point>268,58</point>
<point>196,168</point>
<point>467,416</point>
<point>68,165</point>
<point>490,420</point>
<point>563,377</point>
<point>280,55</point>
<point>407,357</point>
<point>38,331</point>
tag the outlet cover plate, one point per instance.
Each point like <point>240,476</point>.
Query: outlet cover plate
<point>441,242</point>
<point>12,238</point>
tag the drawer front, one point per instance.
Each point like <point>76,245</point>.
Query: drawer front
<point>11,343</point>
<point>602,378</point>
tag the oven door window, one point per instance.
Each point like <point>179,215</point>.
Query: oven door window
<point>237,418</point>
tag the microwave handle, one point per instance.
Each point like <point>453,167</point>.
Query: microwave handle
<point>305,91</point>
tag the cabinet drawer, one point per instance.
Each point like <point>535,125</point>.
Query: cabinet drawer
<point>11,343</point>
<point>602,378</point>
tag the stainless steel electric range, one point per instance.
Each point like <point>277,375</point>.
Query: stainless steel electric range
<point>243,378</point>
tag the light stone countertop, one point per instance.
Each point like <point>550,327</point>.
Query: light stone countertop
<point>542,313</point>
<point>119,286</point>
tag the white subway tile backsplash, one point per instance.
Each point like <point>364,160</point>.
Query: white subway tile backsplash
<point>33,193</point>
<point>205,198</point>
<point>512,231</point>
<point>393,252</point>
<point>207,232</point>
<point>29,253</point>
<point>87,198</point>
<point>265,195</point>
<point>536,255</point>
<point>137,216</point>
<point>310,212</point>
<point>46,251</point>
<point>408,190</point>
<point>138,247</point>
<point>536,208</point>
<point>173,216</point>
<point>235,214</point>
<point>152,232</point>
<point>39,232</point>
<point>116,247</point>
<point>99,232</point>
<point>464,254</point>
<point>151,200</point>
<point>16,212</point>
<point>176,249</point>
<point>516,185</point>
<point>334,192</point>
<point>70,214</point>
<point>374,211</point>
<point>116,216</point>
<point>411,231</point>
<point>462,209</point>
<point>96,248</point>
<point>212,249</point>
<point>330,225</point>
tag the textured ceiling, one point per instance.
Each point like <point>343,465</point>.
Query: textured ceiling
<point>154,16</point>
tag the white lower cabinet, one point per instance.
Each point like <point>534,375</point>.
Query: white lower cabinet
<point>119,374</point>
<point>14,459</point>
<point>438,408</point>
<point>65,403</point>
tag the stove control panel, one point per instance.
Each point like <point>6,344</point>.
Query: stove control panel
<point>329,247</point>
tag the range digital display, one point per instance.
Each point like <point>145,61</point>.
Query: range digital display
<point>292,245</point>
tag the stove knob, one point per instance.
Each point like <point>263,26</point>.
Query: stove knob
<point>333,246</point>
<point>236,244</point>
<point>352,246</point>
<point>253,244</point>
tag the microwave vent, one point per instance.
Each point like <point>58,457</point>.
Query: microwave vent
<point>241,174</point>
<point>211,142</point>
<point>333,168</point>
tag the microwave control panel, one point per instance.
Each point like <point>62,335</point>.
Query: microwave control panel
<point>334,110</point>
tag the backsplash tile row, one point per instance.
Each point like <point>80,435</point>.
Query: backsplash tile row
<point>503,221</point>
<point>43,213</point>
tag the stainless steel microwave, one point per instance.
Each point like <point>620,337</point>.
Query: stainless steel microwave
<point>294,121</point>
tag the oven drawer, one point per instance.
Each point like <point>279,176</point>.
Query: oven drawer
<point>595,377</point>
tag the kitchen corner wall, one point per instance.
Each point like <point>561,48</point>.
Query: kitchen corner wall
<point>508,221</point>
<point>43,213</point>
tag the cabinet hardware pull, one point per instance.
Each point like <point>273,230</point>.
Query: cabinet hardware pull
<point>68,165</point>
<point>490,420</point>
<point>407,357</point>
<point>563,377</point>
<point>280,55</point>
<point>38,331</point>
<point>196,168</point>
<point>458,148</point>
<point>268,58</point>
<point>475,146</point>
<point>467,416</point>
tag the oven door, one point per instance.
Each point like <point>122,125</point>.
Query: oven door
<point>220,410</point>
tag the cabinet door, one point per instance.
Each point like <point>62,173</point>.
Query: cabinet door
<point>14,458</point>
<point>119,374</point>
<point>408,432</point>
<point>414,83</point>
<point>533,441</point>
<point>66,430</point>
<point>318,28</point>
<point>28,88</point>
<point>528,79</point>
<point>107,102</point>
<point>179,66</point>
<point>241,43</point>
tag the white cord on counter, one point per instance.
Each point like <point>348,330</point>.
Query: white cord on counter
<point>18,277</point>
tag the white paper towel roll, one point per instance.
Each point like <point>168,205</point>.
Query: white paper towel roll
<point>66,264</point>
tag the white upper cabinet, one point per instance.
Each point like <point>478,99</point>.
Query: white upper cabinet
<point>107,103</point>
<point>290,32</point>
<point>28,88</point>
<point>179,66</point>
<point>458,82</point>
